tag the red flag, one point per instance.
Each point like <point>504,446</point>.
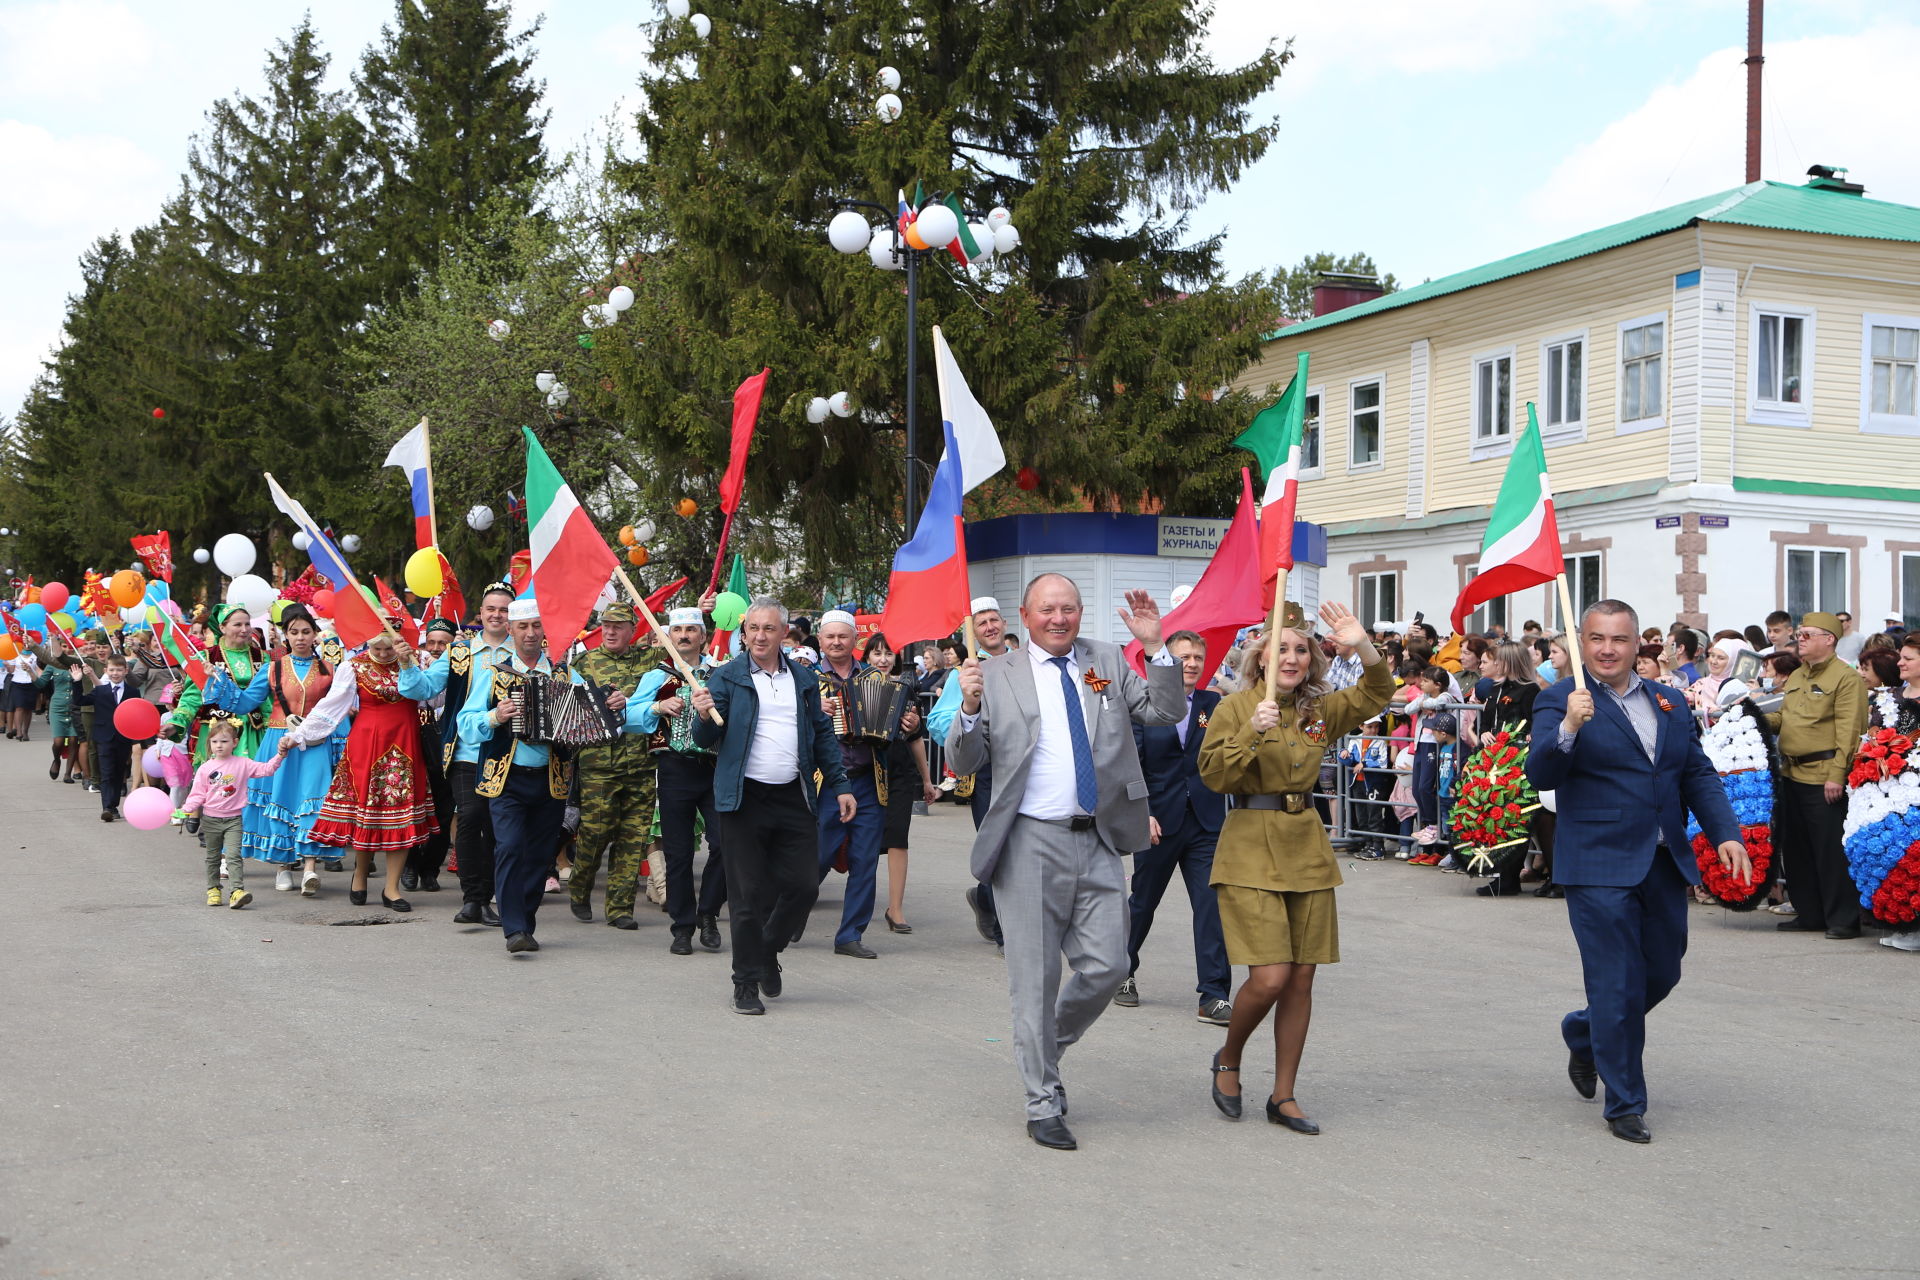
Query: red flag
<point>15,631</point>
<point>157,550</point>
<point>1228,595</point>
<point>746,411</point>
<point>355,619</point>
<point>520,568</point>
<point>397,610</point>
<point>450,604</point>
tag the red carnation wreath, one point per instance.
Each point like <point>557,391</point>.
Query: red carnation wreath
<point>1493,800</point>
<point>1728,889</point>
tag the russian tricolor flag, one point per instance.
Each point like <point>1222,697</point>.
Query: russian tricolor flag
<point>410,455</point>
<point>927,594</point>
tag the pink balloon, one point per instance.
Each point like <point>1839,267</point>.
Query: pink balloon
<point>169,608</point>
<point>55,596</point>
<point>148,808</point>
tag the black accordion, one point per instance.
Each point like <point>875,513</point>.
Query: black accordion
<point>870,708</point>
<point>555,712</point>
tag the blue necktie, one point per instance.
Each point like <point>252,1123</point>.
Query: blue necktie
<point>1088,790</point>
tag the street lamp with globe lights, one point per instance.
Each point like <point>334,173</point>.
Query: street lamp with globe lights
<point>933,229</point>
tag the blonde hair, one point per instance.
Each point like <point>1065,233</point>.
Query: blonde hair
<point>1253,669</point>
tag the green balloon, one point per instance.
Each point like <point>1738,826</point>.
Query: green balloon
<point>586,341</point>
<point>728,608</point>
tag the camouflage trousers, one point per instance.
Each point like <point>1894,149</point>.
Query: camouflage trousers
<point>616,809</point>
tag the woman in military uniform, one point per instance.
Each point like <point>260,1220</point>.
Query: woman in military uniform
<point>1273,869</point>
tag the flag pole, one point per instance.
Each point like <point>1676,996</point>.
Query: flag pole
<point>1273,630</point>
<point>1573,630</point>
<point>426,448</point>
<point>640,603</point>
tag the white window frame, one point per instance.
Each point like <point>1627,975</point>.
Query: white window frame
<point>1846,575</point>
<point>1573,430</point>
<point>1319,422</point>
<point>1624,426</point>
<point>1576,580</point>
<point>1379,463</point>
<point>1494,446</point>
<point>1780,413</point>
<point>1360,595</point>
<point>1885,424</point>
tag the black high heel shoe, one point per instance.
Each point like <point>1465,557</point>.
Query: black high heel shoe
<point>358,897</point>
<point>1299,1124</point>
<point>395,904</point>
<point>896,926</point>
<point>1229,1104</point>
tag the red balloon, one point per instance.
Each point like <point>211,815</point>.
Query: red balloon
<point>1028,479</point>
<point>137,718</point>
<point>159,413</point>
<point>323,603</point>
<point>55,596</point>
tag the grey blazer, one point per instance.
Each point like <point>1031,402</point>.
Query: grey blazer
<point>1009,723</point>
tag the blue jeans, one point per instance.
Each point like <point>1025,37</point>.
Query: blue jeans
<point>862,837</point>
<point>1426,784</point>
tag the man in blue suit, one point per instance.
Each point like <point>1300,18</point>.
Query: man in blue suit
<point>1626,765</point>
<point>1184,824</point>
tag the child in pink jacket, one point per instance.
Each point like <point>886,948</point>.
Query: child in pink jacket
<point>219,797</point>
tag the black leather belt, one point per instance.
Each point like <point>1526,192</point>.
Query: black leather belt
<point>1815,758</point>
<point>1081,822</point>
<point>1284,802</point>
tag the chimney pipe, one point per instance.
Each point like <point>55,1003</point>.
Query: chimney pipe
<point>1756,15</point>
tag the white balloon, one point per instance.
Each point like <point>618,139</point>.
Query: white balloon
<point>643,532</point>
<point>594,317</point>
<point>543,382</point>
<point>350,543</point>
<point>1005,238</point>
<point>251,592</point>
<point>498,330</point>
<point>301,541</point>
<point>818,409</point>
<point>480,518</point>
<point>880,250</point>
<point>558,396</point>
<point>702,25</point>
<point>889,78</point>
<point>620,298</point>
<point>234,554</point>
<point>201,555</point>
<point>1180,593</point>
<point>848,232</point>
<point>678,8</point>
<point>982,240</point>
<point>841,404</point>
<point>998,217</point>
<point>133,614</point>
<point>937,226</point>
<point>887,107</point>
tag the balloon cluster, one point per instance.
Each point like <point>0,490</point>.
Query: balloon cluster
<point>839,405</point>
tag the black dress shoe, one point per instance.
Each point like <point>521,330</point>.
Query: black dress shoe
<point>983,919</point>
<point>1549,890</point>
<point>334,864</point>
<point>746,999</point>
<point>623,922</point>
<point>709,932</point>
<point>771,985</point>
<point>430,883</point>
<point>358,897</point>
<point>682,944</point>
<point>1794,926</point>
<point>857,949</point>
<point>488,915</point>
<point>1585,1076</point>
<point>896,926</point>
<point>1631,1129</point>
<point>1299,1124</point>
<point>1840,935</point>
<point>469,913</point>
<point>396,904</point>
<point>522,942</point>
<point>1052,1132</point>
<point>583,911</point>
<point>1229,1103</point>
<point>106,815</point>
<point>410,880</point>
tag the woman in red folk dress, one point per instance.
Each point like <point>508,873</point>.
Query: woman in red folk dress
<point>379,800</point>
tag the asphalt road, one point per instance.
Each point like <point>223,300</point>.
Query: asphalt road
<point>190,1092</point>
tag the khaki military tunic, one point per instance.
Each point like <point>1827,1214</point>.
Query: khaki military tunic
<point>1825,709</point>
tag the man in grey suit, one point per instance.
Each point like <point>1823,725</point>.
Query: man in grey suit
<point>1053,721</point>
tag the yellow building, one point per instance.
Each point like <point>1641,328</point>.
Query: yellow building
<point>1726,390</point>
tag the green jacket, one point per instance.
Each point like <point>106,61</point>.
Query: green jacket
<point>1825,709</point>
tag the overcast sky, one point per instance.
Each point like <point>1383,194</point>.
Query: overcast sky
<point>1433,136</point>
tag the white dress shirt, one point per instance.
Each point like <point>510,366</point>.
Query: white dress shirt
<point>1053,788</point>
<point>773,757</point>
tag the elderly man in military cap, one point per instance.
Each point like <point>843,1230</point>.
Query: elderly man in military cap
<point>1820,721</point>
<point>616,780</point>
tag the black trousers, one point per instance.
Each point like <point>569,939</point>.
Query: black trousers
<point>685,791</point>
<point>772,857</point>
<point>427,859</point>
<point>1809,832</point>
<point>112,762</point>
<point>474,843</point>
<point>526,817</point>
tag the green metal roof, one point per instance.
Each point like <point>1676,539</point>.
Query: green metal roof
<point>1776,205</point>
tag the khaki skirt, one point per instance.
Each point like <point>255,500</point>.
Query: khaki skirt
<point>1267,926</point>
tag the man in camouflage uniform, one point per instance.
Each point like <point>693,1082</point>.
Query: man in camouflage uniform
<point>616,781</point>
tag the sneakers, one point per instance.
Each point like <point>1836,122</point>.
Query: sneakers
<point>1426,835</point>
<point>1217,1012</point>
<point>566,875</point>
<point>1782,909</point>
<point>283,880</point>
<point>1430,858</point>
<point>1902,941</point>
<point>1128,996</point>
<point>746,998</point>
<point>239,899</point>
<point>310,885</point>
<point>213,897</point>
<point>553,885</point>
<point>1449,863</point>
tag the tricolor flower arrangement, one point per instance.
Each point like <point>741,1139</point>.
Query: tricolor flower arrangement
<point>1883,828</point>
<point>1493,799</point>
<point>1741,751</point>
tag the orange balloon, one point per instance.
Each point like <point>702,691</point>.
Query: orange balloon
<point>7,650</point>
<point>687,507</point>
<point>127,588</point>
<point>33,596</point>
<point>627,537</point>
<point>914,238</point>
<point>637,556</point>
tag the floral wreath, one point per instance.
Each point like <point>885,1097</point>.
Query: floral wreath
<point>1742,752</point>
<point>1883,828</point>
<point>1495,797</point>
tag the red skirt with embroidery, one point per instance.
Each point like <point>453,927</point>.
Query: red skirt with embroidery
<point>380,798</point>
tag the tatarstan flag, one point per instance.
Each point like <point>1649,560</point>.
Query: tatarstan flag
<point>1522,546</point>
<point>1274,437</point>
<point>571,561</point>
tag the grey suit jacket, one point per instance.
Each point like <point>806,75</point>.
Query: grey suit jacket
<point>1009,724</point>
